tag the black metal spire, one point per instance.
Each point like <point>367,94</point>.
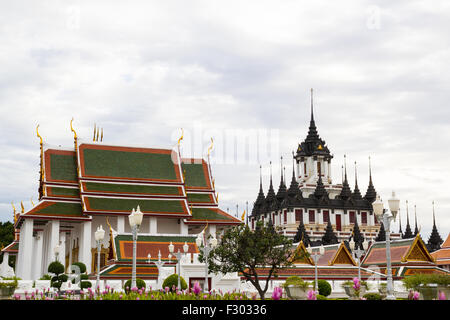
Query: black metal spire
<point>381,234</point>
<point>371,194</point>
<point>346,192</point>
<point>302,235</point>
<point>435,240</point>
<point>408,233</point>
<point>282,191</point>
<point>329,237</point>
<point>356,194</point>
<point>320,191</point>
<point>416,230</point>
<point>261,197</point>
<point>293,188</point>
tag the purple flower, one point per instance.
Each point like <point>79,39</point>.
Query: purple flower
<point>442,296</point>
<point>277,293</point>
<point>205,296</point>
<point>416,295</point>
<point>167,289</point>
<point>356,284</point>
<point>121,296</point>
<point>197,288</point>
<point>312,295</point>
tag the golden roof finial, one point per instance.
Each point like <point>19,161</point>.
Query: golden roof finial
<point>39,136</point>
<point>101,137</point>
<point>74,135</point>
<point>211,146</point>
<point>31,199</point>
<point>95,126</point>
<point>217,197</point>
<point>23,208</point>
<point>14,208</point>
<point>181,138</point>
<point>96,138</point>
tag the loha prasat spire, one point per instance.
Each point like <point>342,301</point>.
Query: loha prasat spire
<point>435,240</point>
<point>312,198</point>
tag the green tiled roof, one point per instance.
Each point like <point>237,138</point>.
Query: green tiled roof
<point>128,164</point>
<point>63,167</point>
<point>50,208</point>
<point>199,198</point>
<point>194,174</point>
<point>208,214</point>
<point>57,191</point>
<point>131,189</point>
<point>126,205</point>
<point>129,237</point>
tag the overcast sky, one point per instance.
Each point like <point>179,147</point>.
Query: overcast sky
<point>144,69</point>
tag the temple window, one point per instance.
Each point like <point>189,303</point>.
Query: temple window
<point>312,216</point>
<point>352,216</point>
<point>326,216</point>
<point>363,217</point>
<point>298,215</point>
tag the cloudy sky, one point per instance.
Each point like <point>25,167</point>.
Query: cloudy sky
<point>144,69</point>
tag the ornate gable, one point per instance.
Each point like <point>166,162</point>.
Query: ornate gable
<point>301,255</point>
<point>342,256</point>
<point>418,252</point>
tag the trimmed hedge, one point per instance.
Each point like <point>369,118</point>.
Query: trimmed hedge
<point>172,280</point>
<point>324,287</point>
<point>140,284</point>
<point>372,296</point>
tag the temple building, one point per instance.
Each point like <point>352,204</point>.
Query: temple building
<point>93,184</point>
<point>312,198</point>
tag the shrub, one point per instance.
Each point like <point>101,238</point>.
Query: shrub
<point>46,277</point>
<point>172,280</point>
<point>80,265</point>
<point>372,296</point>
<point>324,287</point>
<point>56,268</point>
<point>85,284</point>
<point>321,297</point>
<point>140,284</point>
<point>414,281</point>
<point>296,281</point>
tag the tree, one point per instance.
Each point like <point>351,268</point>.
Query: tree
<point>246,251</point>
<point>381,234</point>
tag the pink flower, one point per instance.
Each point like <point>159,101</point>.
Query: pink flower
<point>197,288</point>
<point>312,295</point>
<point>121,296</point>
<point>277,293</point>
<point>205,296</point>
<point>167,289</point>
<point>442,296</point>
<point>356,284</point>
<point>416,295</point>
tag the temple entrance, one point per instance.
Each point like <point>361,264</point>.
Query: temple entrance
<point>338,222</point>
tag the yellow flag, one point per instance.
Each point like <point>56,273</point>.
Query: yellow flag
<point>243,216</point>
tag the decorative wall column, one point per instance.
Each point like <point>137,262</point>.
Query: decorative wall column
<point>299,170</point>
<point>84,253</point>
<point>183,227</point>
<point>153,225</point>
<point>319,215</point>
<point>62,252</point>
<point>70,248</point>
<point>53,241</point>
<point>329,169</point>
<point>37,255</point>
<point>121,224</point>
<point>25,250</point>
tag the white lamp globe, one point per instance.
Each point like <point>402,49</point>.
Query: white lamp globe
<point>198,241</point>
<point>131,218</point>
<point>171,247</point>
<point>394,205</point>
<point>378,208</point>
<point>138,216</point>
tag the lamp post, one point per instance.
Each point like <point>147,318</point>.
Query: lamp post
<point>159,264</point>
<point>56,250</point>
<point>358,254</point>
<point>178,255</point>
<point>99,235</point>
<point>386,217</point>
<point>316,256</point>
<point>206,250</point>
<point>135,219</point>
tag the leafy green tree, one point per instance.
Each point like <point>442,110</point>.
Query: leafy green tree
<point>6,237</point>
<point>245,251</point>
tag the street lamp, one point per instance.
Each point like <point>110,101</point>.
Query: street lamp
<point>206,250</point>
<point>358,253</point>
<point>386,217</point>
<point>135,219</point>
<point>316,256</point>
<point>178,255</point>
<point>99,235</point>
<point>56,250</point>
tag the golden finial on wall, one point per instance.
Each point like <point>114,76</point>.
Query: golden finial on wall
<point>95,126</point>
<point>23,208</point>
<point>101,137</point>
<point>31,199</point>
<point>181,138</point>
<point>74,135</point>
<point>96,138</point>
<point>210,146</point>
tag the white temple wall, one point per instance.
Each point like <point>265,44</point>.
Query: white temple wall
<point>170,226</point>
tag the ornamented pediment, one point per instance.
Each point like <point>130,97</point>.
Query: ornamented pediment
<point>418,252</point>
<point>343,256</point>
<point>301,255</point>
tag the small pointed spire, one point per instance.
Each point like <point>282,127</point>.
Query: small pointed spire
<point>370,193</point>
<point>408,233</point>
<point>416,230</point>
<point>400,223</point>
<point>435,240</point>
<point>312,108</point>
<point>356,194</point>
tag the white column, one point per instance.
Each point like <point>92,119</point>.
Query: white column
<point>291,217</point>
<point>85,245</point>
<point>153,225</point>
<point>44,248</point>
<point>70,247</point>
<point>183,227</point>
<point>53,241</point>
<point>121,224</point>
<point>212,230</point>
<point>319,216</point>
<point>306,216</point>
<point>37,255</point>
<point>329,170</point>
<point>62,252</point>
<point>299,170</point>
<point>314,173</point>
<point>26,250</point>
